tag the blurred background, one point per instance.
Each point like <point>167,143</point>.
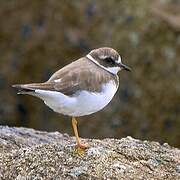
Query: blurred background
<point>39,37</point>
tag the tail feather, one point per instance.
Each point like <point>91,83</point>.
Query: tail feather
<point>30,88</point>
<point>23,89</point>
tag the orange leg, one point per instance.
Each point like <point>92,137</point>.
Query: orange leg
<point>74,125</point>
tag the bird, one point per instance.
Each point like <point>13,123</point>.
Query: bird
<point>80,88</point>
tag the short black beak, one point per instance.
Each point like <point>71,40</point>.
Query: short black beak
<point>125,67</point>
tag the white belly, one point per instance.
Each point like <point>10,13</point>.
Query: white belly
<point>82,103</point>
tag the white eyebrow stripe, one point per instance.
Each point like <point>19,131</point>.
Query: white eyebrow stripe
<point>119,60</point>
<point>57,80</point>
<point>112,70</point>
<point>103,57</point>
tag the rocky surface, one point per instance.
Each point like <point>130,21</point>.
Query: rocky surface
<point>29,154</point>
<point>39,37</point>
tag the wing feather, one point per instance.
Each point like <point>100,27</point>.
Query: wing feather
<point>80,75</point>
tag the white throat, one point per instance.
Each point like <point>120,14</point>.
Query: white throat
<point>112,70</point>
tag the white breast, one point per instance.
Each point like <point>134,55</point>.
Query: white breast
<point>82,103</point>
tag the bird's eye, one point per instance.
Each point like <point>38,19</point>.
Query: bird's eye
<point>109,60</point>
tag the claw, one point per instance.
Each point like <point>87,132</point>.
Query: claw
<point>83,146</point>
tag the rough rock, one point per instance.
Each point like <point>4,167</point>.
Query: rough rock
<point>39,37</point>
<point>30,154</point>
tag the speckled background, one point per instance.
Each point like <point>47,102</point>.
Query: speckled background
<point>39,37</point>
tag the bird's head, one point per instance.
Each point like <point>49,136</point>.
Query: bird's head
<point>109,59</point>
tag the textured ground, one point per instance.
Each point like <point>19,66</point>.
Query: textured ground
<point>39,37</point>
<point>29,154</point>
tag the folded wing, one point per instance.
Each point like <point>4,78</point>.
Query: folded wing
<point>77,76</point>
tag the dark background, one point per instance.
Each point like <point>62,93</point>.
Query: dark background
<point>39,37</point>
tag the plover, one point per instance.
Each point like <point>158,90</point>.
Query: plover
<point>83,87</point>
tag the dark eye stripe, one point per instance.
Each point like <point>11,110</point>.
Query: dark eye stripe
<point>109,60</point>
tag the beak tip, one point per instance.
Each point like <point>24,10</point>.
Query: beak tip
<point>125,67</point>
<point>129,69</point>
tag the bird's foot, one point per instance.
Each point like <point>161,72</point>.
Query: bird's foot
<point>82,146</point>
<point>80,149</point>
